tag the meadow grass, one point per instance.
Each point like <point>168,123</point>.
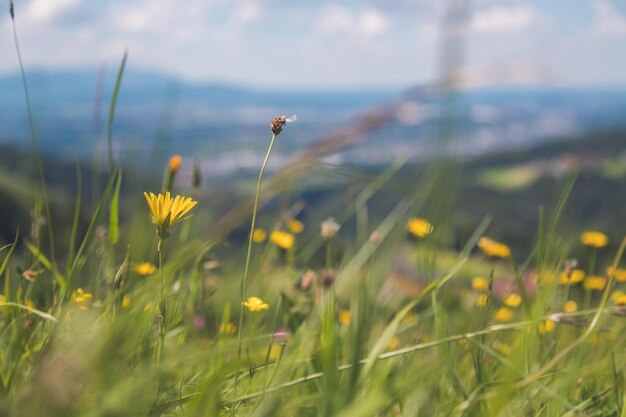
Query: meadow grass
<point>147,314</point>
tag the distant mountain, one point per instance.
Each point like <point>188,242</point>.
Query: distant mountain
<point>225,126</point>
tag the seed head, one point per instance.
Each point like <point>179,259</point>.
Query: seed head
<point>278,122</point>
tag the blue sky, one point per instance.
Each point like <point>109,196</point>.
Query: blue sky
<point>303,44</point>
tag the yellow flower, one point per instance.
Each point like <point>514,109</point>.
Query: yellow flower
<point>174,163</point>
<point>480,284</point>
<point>255,304</point>
<point>283,240</point>
<point>419,227</point>
<point>145,268</point>
<point>513,300</point>
<point>165,210</point>
<point>594,283</point>
<point>546,326</point>
<point>503,348</point>
<point>2,300</point>
<point>570,307</point>
<point>259,235</point>
<point>482,300</point>
<point>594,239</point>
<point>410,319</point>
<point>619,298</point>
<point>81,298</point>
<point>125,302</point>
<point>620,274</point>
<point>493,249</point>
<point>345,317</point>
<point>295,226</point>
<point>394,343</point>
<point>574,277</point>
<point>503,314</point>
<point>228,328</point>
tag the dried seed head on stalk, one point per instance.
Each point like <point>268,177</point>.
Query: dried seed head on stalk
<point>278,122</point>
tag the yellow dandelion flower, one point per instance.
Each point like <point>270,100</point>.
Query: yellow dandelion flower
<point>513,300</point>
<point>546,326</point>
<point>620,274</point>
<point>574,277</point>
<point>255,304</point>
<point>482,300</point>
<point>419,227</point>
<point>345,317</point>
<point>394,343</point>
<point>259,235</point>
<point>480,284</point>
<point>594,239</point>
<point>619,298</point>
<point>81,298</point>
<point>283,240</point>
<point>594,283</point>
<point>165,210</point>
<point>126,302</point>
<point>493,249</point>
<point>228,328</point>
<point>295,226</point>
<point>145,268</point>
<point>174,163</point>
<point>503,314</point>
<point>570,307</point>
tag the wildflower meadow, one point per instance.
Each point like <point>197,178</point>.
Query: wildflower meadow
<point>160,294</point>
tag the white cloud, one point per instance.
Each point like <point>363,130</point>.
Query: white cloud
<point>607,21</point>
<point>248,11</point>
<point>498,19</point>
<point>369,23</point>
<point>41,11</point>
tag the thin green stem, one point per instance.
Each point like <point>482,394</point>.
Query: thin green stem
<point>35,143</point>
<point>162,301</point>
<point>244,282</point>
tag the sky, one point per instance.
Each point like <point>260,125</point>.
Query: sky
<point>321,44</point>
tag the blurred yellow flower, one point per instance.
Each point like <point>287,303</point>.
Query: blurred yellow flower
<point>255,304</point>
<point>619,298</point>
<point>480,284</point>
<point>125,302</point>
<point>419,227</point>
<point>394,343</point>
<point>2,300</point>
<point>503,348</point>
<point>145,268</point>
<point>503,314</point>
<point>174,163</point>
<point>410,319</point>
<point>594,283</point>
<point>570,306</point>
<point>283,240</point>
<point>574,277</point>
<point>345,317</point>
<point>81,298</point>
<point>493,249</point>
<point>594,239</point>
<point>482,300</point>
<point>259,235</point>
<point>165,210</point>
<point>513,300</point>
<point>546,326</point>
<point>295,226</point>
<point>228,328</point>
<point>620,274</point>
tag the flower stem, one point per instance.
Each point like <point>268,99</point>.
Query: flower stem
<point>160,248</point>
<point>244,282</point>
